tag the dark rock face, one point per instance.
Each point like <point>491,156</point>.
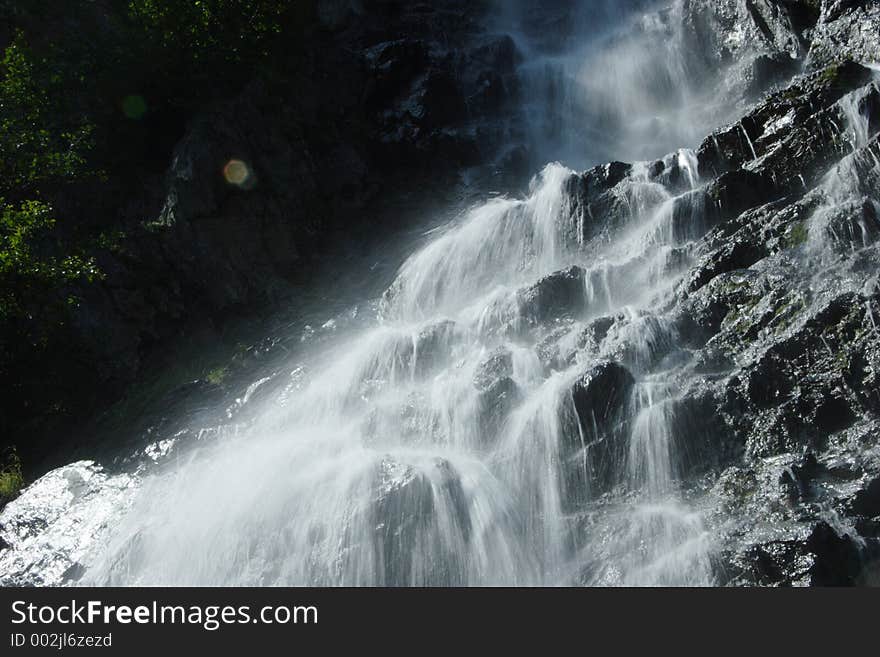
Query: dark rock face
<point>846,28</point>
<point>554,296</point>
<point>391,97</point>
<point>592,196</point>
<point>419,354</point>
<point>760,43</point>
<point>774,417</point>
<point>599,394</point>
<point>791,365</point>
<point>595,448</point>
<point>497,393</point>
<point>837,558</point>
<point>782,130</point>
<point>592,336</point>
<point>497,366</point>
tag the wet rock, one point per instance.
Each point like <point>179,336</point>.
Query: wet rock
<point>595,446</point>
<point>404,505</point>
<point>593,199</point>
<point>867,501</point>
<point>733,255</point>
<point>74,573</point>
<point>672,174</point>
<point>770,341</point>
<point>838,559</point>
<point>780,391</point>
<point>704,438</point>
<point>643,341</point>
<point>777,563</point>
<point>764,26</point>
<point>689,216</point>
<point>56,519</point>
<point>431,346</point>
<point>497,366</point>
<point>796,386</point>
<point>561,294</point>
<point>845,30</point>
<point>497,393</point>
<point>769,70</point>
<point>757,233</point>
<point>737,191</point>
<point>591,338</point>
<point>704,311</point>
<point>603,177</point>
<point>553,350</point>
<point>409,544</point>
<point>797,480</point>
<point>795,120</point>
<point>852,225</point>
<point>495,402</point>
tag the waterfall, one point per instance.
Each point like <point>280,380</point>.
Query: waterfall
<point>848,212</point>
<point>433,447</point>
<point>636,87</point>
<point>509,414</point>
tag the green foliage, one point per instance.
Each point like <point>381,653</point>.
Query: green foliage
<point>41,143</point>
<point>98,95</point>
<point>830,74</point>
<point>109,86</point>
<point>28,266</point>
<point>94,96</point>
<point>217,375</point>
<point>11,479</point>
<point>212,30</point>
<point>797,235</point>
<point>181,54</point>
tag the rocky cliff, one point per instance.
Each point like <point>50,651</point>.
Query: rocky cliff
<point>779,422</point>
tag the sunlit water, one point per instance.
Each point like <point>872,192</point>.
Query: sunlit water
<point>431,442</point>
<point>382,469</point>
<point>618,79</point>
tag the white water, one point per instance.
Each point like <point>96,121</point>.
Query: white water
<point>380,470</point>
<point>638,87</point>
<point>848,212</point>
<point>379,466</point>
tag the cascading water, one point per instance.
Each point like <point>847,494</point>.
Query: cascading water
<point>507,416</point>
<point>431,448</point>
<point>849,189</point>
<point>638,87</point>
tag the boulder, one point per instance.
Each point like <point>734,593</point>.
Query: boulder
<point>556,296</point>
<point>409,545</point>
<point>595,444</point>
<point>837,557</point>
<point>432,346</point>
<point>497,393</point>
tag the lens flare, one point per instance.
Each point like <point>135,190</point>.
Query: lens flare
<point>134,107</point>
<point>237,173</point>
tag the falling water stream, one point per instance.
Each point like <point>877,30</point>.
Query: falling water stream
<point>430,444</point>
<point>382,469</point>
